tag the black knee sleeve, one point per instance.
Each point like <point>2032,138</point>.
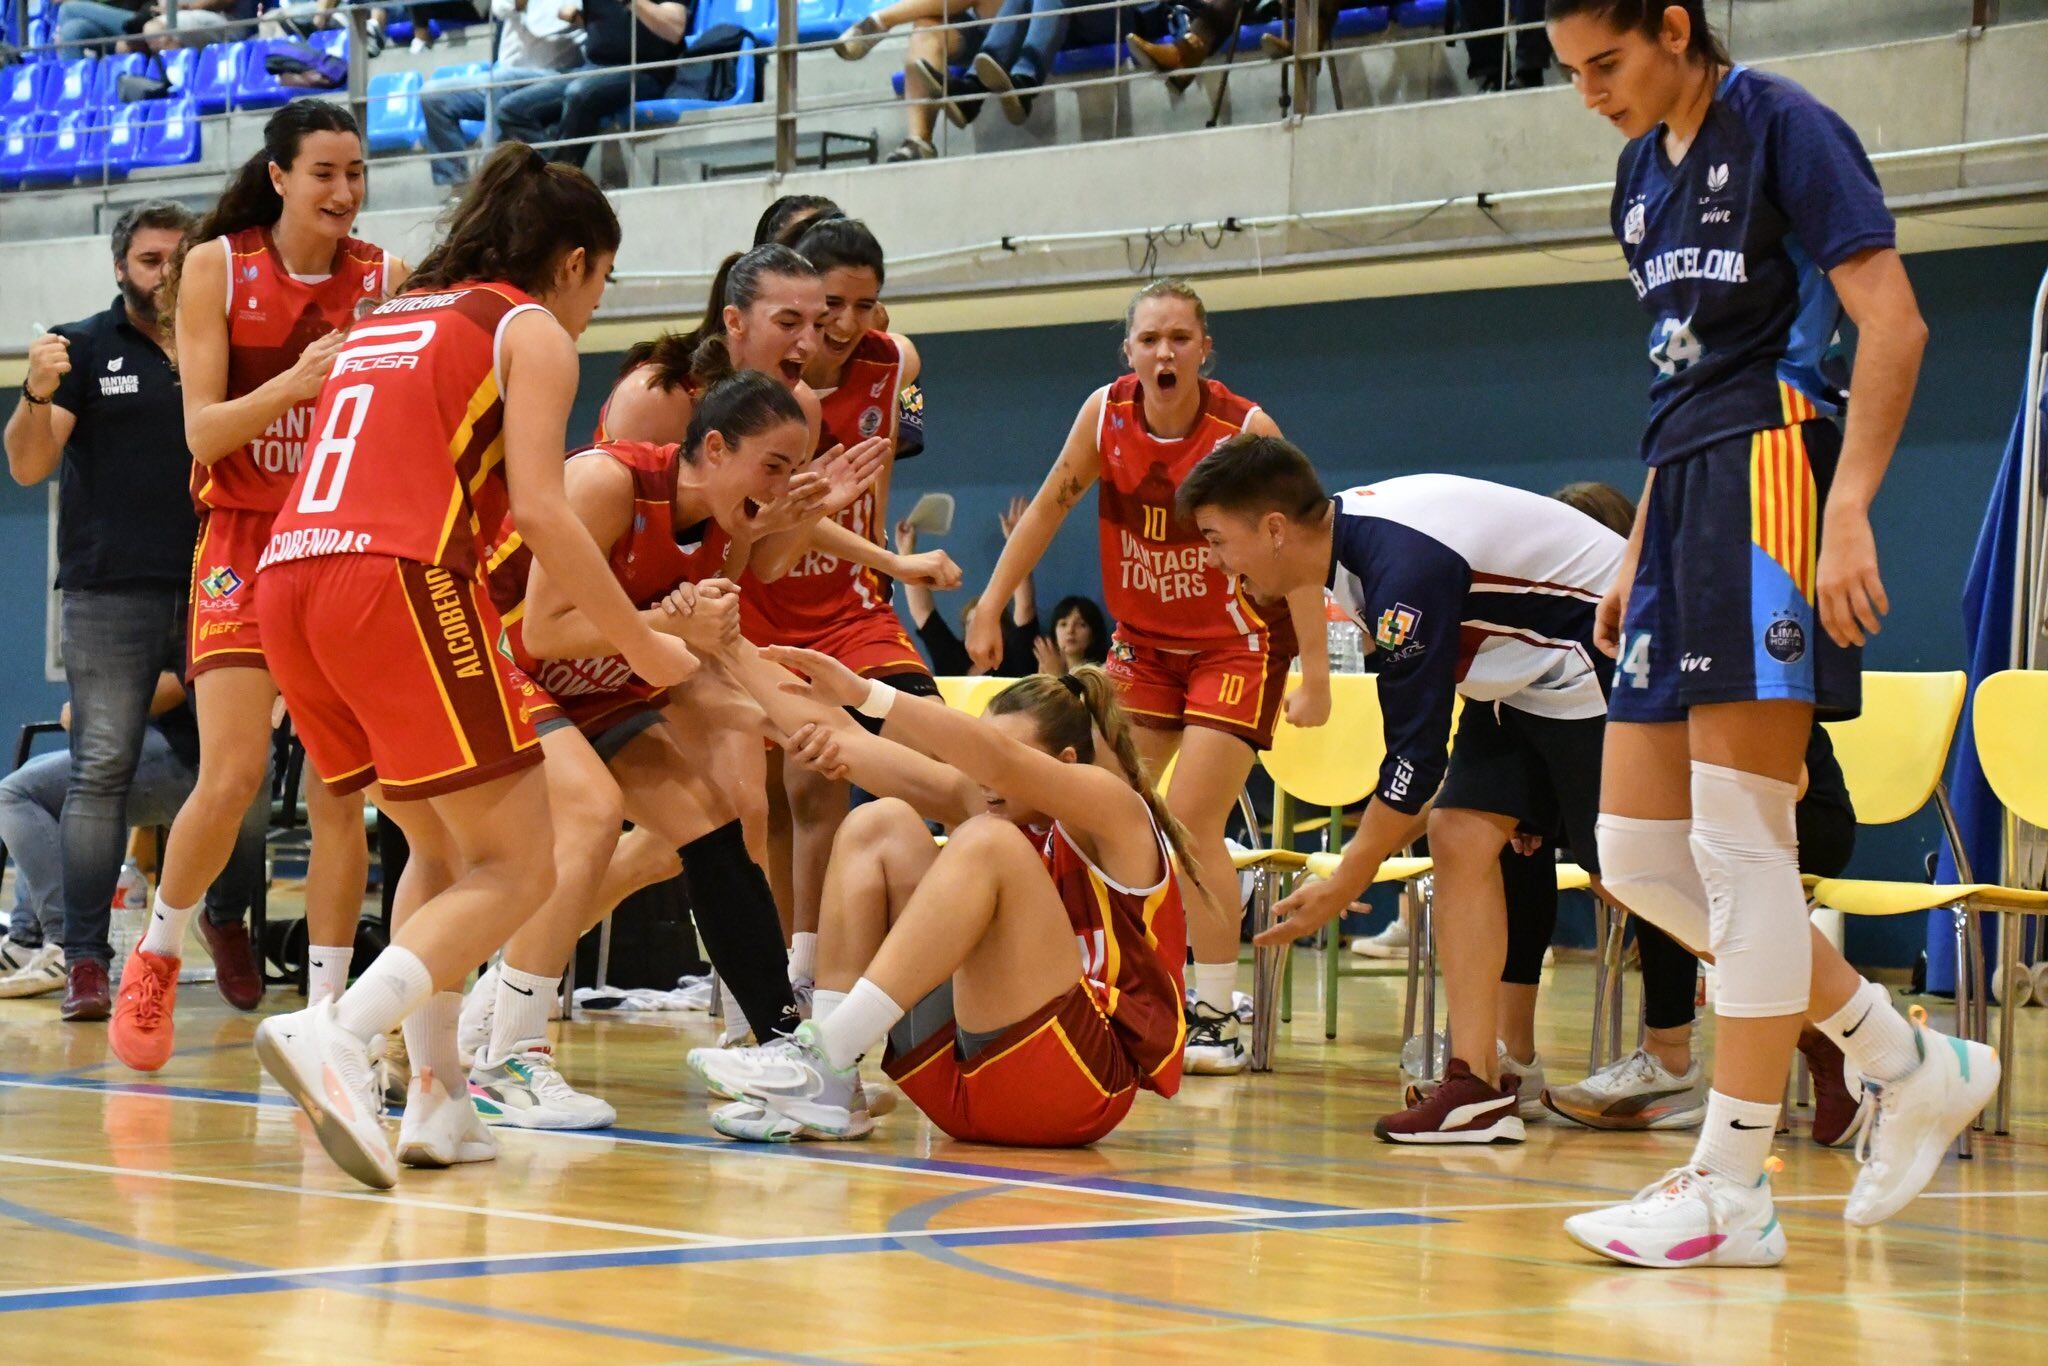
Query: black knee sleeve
<point>735,915</point>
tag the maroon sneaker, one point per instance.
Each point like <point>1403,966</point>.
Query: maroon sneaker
<point>1463,1109</point>
<point>1838,1113</point>
<point>235,970</point>
<point>87,995</point>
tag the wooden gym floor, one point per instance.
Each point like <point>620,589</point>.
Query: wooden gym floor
<point>191,1215</point>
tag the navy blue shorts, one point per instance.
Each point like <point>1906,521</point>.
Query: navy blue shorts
<point>1722,607</point>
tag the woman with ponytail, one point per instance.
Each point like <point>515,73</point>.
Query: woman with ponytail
<point>1751,223</point>
<point>260,294</point>
<point>1027,976</point>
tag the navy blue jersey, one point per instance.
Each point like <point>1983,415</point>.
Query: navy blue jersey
<point>1728,251</point>
<point>1473,588</point>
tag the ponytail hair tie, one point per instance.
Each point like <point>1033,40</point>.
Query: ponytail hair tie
<point>1073,687</point>
<point>536,161</point>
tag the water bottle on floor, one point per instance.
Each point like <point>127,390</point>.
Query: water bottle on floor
<point>130,914</point>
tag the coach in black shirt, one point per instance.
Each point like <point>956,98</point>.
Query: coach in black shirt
<point>102,402</point>
<point>578,107</point>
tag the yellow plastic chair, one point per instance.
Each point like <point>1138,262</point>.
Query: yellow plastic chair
<point>2012,748</point>
<point>970,694</point>
<point>1893,757</point>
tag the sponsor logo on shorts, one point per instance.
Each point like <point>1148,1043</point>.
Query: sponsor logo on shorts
<point>221,584</point>
<point>1696,664</point>
<point>1785,641</point>
<point>444,599</point>
<point>208,630</point>
<point>1396,626</point>
<point>311,541</point>
<point>870,421</point>
<point>1403,779</point>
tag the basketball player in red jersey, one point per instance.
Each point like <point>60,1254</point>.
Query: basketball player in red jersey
<point>622,749</point>
<point>385,645</point>
<point>1198,664</point>
<point>1028,975</point>
<point>261,291</point>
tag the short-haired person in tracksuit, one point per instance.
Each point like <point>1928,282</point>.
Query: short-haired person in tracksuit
<point>1465,588</point>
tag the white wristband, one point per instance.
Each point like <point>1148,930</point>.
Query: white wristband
<point>880,698</point>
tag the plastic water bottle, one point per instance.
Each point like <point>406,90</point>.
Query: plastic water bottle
<point>1412,1057</point>
<point>130,913</point>
<point>1346,641</point>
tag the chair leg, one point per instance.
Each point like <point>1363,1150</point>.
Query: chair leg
<point>1617,980</point>
<point>1963,1010</point>
<point>1266,970</point>
<point>1412,899</point>
<point>1427,931</point>
<point>1594,1059</point>
<point>1333,933</point>
<point>2010,929</point>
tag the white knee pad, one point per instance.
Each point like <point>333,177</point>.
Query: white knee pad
<point>1746,843</point>
<point>1648,867</point>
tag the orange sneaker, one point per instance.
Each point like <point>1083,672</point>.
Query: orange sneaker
<point>141,1032</point>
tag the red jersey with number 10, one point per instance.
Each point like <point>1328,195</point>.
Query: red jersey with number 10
<point>649,561</point>
<point>274,315</point>
<point>822,591</point>
<point>1133,941</point>
<point>408,455</point>
<point>1163,587</point>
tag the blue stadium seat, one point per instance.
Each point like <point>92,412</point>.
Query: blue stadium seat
<point>1420,13</point>
<point>1084,61</point>
<point>1357,23</point>
<point>124,134</point>
<point>17,140</point>
<point>757,17</point>
<point>107,81</point>
<point>170,133</point>
<point>75,87</point>
<point>22,88</point>
<point>746,90</point>
<point>818,20</point>
<point>254,86</point>
<point>210,83</point>
<point>462,73</point>
<point>57,155</point>
<point>397,123</point>
<point>179,64</point>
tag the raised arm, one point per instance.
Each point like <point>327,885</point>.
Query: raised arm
<point>217,426</point>
<point>1073,474</point>
<point>37,432</point>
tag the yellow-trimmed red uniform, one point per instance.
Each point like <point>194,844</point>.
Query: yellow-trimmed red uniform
<point>383,639</point>
<point>825,603</point>
<point>649,561</point>
<point>1067,1074</point>
<point>272,315</point>
<point>1191,647</point>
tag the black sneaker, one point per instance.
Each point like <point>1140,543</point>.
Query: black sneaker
<point>1011,91</point>
<point>959,97</point>
<point>1213,1048</point>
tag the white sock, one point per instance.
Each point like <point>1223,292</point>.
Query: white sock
<point>327,970</point>
<point>730,1016</point>
<point>1877,1040</point>
<point>167,926</point>
<point>803,956</point>
<point>859,1022</point>
<point>824,1003</point>
<point>390,989</point>
<point>1735,1139</point>
<point>519,1017</point>
<point>1216,984</point>
<point>430,1044</point>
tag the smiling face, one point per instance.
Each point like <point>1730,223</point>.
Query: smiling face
<point>1167,345</point>
<point>1624,75</point>
<point>323,188</point>
<point>1019,726</point>
<point>778,333</point>
<point>852,297</point>
<point>752,469</point>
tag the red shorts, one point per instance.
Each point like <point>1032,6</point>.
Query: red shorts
<point>221,631</point>
<point>1058,1079</point>
<point>392,672</point>
<point>871,643</point>
<point>1229,688</point>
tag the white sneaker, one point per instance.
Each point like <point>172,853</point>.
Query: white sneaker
<point>527,1091</point>
<point>1213,1048</point>
<point>789,1076</point>
<point>1530,1081</point>
<point>327,1071</point>
<point>1391,942</point>
<point>696,992</point>
<point>479,1008</point>
<point>1688,1217</point>
<point>755,1123</point>
<point>803,989</point>
<point>1915,1119</point>
<point>1635,1093</point>
<point>42,973</point>
<point>14,957</point>
<point>438,1130</point>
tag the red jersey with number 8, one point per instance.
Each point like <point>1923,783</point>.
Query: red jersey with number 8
<point>821,591</point>
<point>273,316</point>
<point>408,446</point>
<point>1163,587</point>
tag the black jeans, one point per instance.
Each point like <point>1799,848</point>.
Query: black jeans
<point>1483,55</point>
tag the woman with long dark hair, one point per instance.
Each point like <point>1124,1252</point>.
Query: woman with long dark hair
<point>260,293</point>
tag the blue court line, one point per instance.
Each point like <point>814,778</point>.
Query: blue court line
<point>53,1223</point>
<point>906,1225</point>
<point>1106,1185</point>
<point>665,1256</point>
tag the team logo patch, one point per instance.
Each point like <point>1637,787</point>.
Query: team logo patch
<point>1632,225</point>
<point>870,421</point>
<point>223,582</point>
<point>1717,178</point>
<point>248,272</point>
<point>1121,651</point>
<point>1785,641</point>
<point>1396,626</point>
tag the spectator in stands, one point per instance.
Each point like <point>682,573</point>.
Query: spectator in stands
<point>1195,32</point>
<point>577,108</point>
<point>102,401</point>
<point>931,48</point>
<point>1080,635</point>
<point>1484,54</point>
<point>197,23</point>
<point>323,17</point>
<point>31,803</point>
<point>535,40</point>
<point>948,655</point>
<point>81,21</point>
